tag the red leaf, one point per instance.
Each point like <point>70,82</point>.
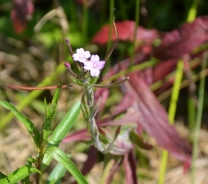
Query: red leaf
<point>183,40</point>
<point>21,9</point>
<point>125,32</point>
<point>91,160</point>
<point>154,120</point>
<point>130,168</point>
<point>78,136</point>
<point>162,69</point>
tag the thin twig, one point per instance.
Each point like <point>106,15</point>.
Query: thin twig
<point>114,43</point>
<point>26,88</point>
<point>69,47</point>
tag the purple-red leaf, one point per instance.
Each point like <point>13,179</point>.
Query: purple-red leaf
<point>126,32</point>
<point>183,40</point>
<point>130,168</point>
<point>154,120</point>
<point>80,135</point>
<point>91,160</point>
<point>21,10</point>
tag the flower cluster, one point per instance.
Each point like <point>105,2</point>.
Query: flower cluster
<point>94,65</point>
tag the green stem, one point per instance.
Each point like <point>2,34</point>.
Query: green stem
<point>192,11</point>
<point>171,115</point>
<point>198,118</point>
<point>135,31</point>
<point>176,88</point>
<point>133,69</point>
<point>191,113</point>
<point>111,15</point>
<point>85,22</point>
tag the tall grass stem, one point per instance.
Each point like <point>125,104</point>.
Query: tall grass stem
<point>171,115</point>
<point>137,10</point>
<point>198,117</point>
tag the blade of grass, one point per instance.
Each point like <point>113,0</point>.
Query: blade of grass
<point>171,115</point>
<point>191,113</point>
<point>184,84</point>
<point>198,118</point>
<point>133,69</point>
<point>174,96</point>
<point>85,22</point>
<point>192,11</point>
<point>135,31</point>
<point>111,15</point>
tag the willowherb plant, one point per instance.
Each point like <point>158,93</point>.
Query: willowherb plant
<point>89,67</point>
<point>48,139</point>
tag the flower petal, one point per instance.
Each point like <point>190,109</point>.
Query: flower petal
<point>94,72</point>
<point>87,54</point>
<point>100,65</point>
<point>88,67</point>
<point>80,51</point>
<point>95,58</point>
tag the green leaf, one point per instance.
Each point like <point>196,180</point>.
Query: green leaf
<point>62,158</point>
<point>19,174</point>
<point>2,175</point>
<point>57,174</point>
<point>139,141</point>
<point>50,113</point>
<point>27,123</point>
<point>52,182</point>
<point>62,129</point>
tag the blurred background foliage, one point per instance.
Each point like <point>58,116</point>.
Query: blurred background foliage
<point>28,57</point>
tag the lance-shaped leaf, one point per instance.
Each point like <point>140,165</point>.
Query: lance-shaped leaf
<point>19,174</point>
<point>56,174</point>
<point>2,175</point>
<point>63,128</point>
<point>26,122</point>
<point>50,113</point>
<point>154,120</point>
<point>91,160</point>
<point>62,158</point>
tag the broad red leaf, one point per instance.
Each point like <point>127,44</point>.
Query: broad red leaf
<point>130,165</point>
<point>80,135</point>
<point>162,69</point>
<point>126,32</point>
<point>183,40</point>
<point>91,160</point>
<point>154,120</point>
<point>21,9</point>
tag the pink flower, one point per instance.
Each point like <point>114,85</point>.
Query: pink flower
<point>81,55</point>
<point>94,65</point>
